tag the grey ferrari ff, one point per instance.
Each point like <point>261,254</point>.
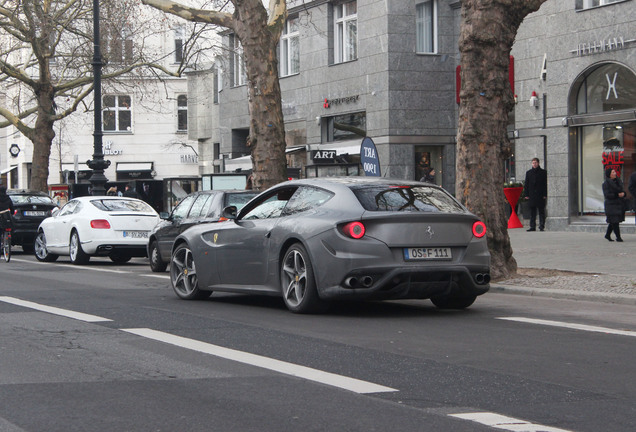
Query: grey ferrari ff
<point>313,241</point>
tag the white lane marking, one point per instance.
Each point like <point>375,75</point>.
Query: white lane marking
<point>499,421</point>
<point>571,326</point>
<point>352,384</point>
<point>74,267</point>
<point>155,276</point>
<point>53,310</point>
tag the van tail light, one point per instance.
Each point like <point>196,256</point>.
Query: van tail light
<point>479,229</point>
<point>100,224</point>
<point>354,230</point>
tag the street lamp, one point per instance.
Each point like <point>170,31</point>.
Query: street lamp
<point>97,164</point>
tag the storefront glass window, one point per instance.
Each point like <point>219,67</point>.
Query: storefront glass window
<point>610,87</point>
<point>605,146</point>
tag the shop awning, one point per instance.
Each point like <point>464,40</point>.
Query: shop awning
<point>4,171</point>
<point>134,166</point>
<point>242,163</point>
<point>71,167</point>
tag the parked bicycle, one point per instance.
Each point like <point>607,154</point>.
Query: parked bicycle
<point>5,234</point>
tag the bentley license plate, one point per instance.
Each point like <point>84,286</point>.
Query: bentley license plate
<point>427,254</point>
<point>136,234</point>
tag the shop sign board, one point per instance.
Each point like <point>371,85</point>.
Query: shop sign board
<point>369,158</point>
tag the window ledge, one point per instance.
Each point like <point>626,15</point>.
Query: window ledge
<point>344,62</point>
<point>600,6</point>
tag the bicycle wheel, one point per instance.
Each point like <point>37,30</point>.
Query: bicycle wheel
<point>6,246</point>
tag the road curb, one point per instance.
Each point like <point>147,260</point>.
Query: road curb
<point>565,294</point>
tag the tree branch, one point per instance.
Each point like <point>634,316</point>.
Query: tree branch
<point>222,19</point>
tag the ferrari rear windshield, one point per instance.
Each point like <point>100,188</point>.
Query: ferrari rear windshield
<point>113,205</point>
<point>406,198</point>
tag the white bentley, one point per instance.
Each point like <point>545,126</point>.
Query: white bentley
<point>116,227</point>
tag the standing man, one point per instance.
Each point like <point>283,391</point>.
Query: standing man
<point>536,192</point>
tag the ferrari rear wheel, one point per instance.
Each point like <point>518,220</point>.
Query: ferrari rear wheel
<point>297,282</point>
<point>76,253</point>
<point>183,275</point>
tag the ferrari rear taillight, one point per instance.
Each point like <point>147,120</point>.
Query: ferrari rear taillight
<point>479,229</point>
<point>100,224</point>
<point>354,230</point>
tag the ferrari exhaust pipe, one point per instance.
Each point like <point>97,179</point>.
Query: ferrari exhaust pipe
<point>367,281</point>
<point>351,282</point>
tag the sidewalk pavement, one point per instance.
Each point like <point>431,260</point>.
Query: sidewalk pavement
<point>570,264</point>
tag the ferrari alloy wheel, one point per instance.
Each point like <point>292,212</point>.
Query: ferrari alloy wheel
<point>297,282</point>
<point>156,264</point>
<point>183,275</point>
<point>41,252</point>
<point>76,253</point>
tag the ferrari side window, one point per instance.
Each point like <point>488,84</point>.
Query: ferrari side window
<point>305,199</point>
<point>271,206</point>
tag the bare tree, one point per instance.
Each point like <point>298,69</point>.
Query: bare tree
<point>46,54</point>
<point>259,32</point>
<point>488,30</point>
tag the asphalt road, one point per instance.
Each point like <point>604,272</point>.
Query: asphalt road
<point>136,358</point>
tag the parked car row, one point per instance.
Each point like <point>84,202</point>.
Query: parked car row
<point>309,241</point>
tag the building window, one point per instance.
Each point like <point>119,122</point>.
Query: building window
<point>178,44</point>
<point>117,113</point>
<point>589,4</point>
<point>425,27</point>
<point>237,63</point>
<point>346,32</point>
<point>182,113</point>
<point>289,48</point>
<point>344,127</point>
<point>119,46</point>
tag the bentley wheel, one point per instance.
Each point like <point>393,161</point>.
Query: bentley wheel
<point>41,252</point>
<point>297,282</point>
<point>76,253</point>
<point>183,275</point>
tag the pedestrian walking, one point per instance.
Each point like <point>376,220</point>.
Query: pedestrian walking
<point>536,192</point>
<point>614,204</point>
<point>429,175</point>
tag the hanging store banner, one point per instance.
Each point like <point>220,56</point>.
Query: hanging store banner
<point>369,158</point>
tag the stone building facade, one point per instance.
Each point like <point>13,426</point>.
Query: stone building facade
<point>397,83</point>
<point>579,58</point>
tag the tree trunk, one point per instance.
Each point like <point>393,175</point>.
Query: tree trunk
<point>488,30</point>
<point>42,138</point>
<point>267,127</point>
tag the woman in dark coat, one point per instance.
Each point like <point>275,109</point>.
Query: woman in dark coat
<point>614,211</point>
